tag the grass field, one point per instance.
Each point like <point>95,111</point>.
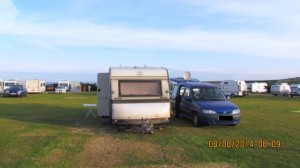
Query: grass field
<point>50,131</point>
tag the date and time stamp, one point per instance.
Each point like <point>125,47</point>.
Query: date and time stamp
<point>243,143</point>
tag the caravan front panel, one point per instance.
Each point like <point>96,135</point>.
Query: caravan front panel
<point>134,113</point>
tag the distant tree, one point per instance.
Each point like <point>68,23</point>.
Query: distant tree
<point>84,87</point>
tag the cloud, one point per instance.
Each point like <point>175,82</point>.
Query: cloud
<point>8,11</point>
<point>89,34</point>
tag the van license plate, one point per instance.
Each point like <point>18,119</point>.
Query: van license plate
<point>225,117</point>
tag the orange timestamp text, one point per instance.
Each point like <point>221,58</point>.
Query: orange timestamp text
<point>243,143</point>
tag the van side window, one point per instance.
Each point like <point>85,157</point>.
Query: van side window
<point>174,91</point>
<point>181,90</point>
<point>187,93</point>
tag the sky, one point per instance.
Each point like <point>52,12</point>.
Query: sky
<point>215,40</point>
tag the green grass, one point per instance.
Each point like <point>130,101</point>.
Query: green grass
<point>50,131</point>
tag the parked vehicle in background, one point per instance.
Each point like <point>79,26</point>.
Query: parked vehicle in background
<point>75,86</point>
<point>132,95</point>
<point>257,87</point>
<point>51,87</point>
<point>281,89</point>
<point>204,103</point>
<point>64,84</point>
<point>9,83</point>
<point>1,87</point>
<point>234,88</point>
<point>35,86</point>
<point>16,90</point>
<point>295,90</point>
<point>60,90</point>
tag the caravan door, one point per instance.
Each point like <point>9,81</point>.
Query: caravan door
<point>103,94</point>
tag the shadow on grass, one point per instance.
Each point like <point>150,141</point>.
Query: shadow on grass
<point>73,117</point>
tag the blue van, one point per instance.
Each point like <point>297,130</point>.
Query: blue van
<point>204,103</point>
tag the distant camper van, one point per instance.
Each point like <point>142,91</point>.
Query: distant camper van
<point>130,95</point>
<point>10,83</point>
<point>234,88</point>
<point>295,90</point>
<point>281,89</point>
<point>64,84</point>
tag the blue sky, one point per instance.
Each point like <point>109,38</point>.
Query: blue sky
<point>215,40</point>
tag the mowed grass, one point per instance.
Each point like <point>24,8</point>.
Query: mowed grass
<point>49,130</point>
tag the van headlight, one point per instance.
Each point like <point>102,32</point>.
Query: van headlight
<point>237,111</point>
<point>209,111</point>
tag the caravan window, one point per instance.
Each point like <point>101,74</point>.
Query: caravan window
<point>225,87</point>
<point>140,88</point>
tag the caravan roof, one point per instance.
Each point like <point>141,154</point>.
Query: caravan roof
<point>138,71</point>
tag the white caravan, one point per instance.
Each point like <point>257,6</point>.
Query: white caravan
<point>1,87</point>
<point>258,87</point>
<point>130,95</point>
<point>75,86</point>
<point>35,86</point>
<point>10,83</point>
<point>295,90</point>
<point>281,89</point>
<point>234,88</point>
<point>64,84</point>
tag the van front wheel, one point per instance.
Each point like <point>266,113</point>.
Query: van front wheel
<point>196,120</point>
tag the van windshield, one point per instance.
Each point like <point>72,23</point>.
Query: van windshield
<point>208,94</point>
<point>140,88</point>
<point>63,84</point>
<point>294,89</point>
<point>10,83</point>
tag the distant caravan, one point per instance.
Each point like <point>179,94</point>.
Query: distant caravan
<point>35,86</point>
<point>281,89</point>
<point>234,88</point>
<point>131,95</point>
<point>1,88</point>
<point>257,87</point>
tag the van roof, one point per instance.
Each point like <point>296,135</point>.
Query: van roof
<point>199,84</point>
<point>183,80</point>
